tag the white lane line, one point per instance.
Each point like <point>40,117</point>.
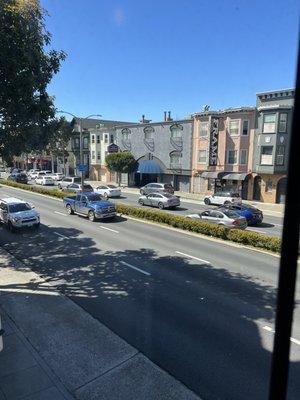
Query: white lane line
<point>136,268</point>
<point>194,258</point>
<point>60,213</point>
<point>108,229</point>
<point>62,236</point>
<point>269,329</point>
<point>257,230</point>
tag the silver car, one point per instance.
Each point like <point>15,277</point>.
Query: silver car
<point>160,200</point>
<point>227,218</point>
<point>76,187</point>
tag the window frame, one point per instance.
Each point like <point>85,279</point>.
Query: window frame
<point>238,121</point>
<point>246,156</point>
<point>263,124</point>
<point>261,154</point>
<point>248,125</point>
<point>198,159</point>
<point>235,157</point>
<point>286,122</point>
<point>201,123</point>
<point>280,146</point>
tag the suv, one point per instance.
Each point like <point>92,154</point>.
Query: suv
<point>223,198</point>
<point>157,188</point>
<point>18,177</point>
<point>16,213</point>
<point>68,181</point>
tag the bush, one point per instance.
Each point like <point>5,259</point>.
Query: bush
<point>42,190</point>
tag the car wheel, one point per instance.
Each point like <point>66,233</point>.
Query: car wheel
<point>69,209</point>
<point>142,192</point>
<point>59,186</point>
<point>91,216</point>
<point>141,202</point>
<point>226,203</point>
<point>105,195</point>
<point>206,201</point>
<point>160,206</point>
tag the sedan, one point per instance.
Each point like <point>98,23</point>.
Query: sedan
<point>160,200</point>
<point>226,218</point>
<point>57,176</point>
<point>18,177</point>
<point>108,191</point>
<point>77,187</point>
<point>44,180</point>
<point>253,215</point>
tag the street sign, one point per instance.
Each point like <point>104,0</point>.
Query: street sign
<point>83,167</point>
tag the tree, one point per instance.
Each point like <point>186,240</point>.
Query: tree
<point>60,139</point>
<point>120,162</point>
<point>26,110</point>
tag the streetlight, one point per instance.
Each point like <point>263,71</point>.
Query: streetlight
<point>80,135</point>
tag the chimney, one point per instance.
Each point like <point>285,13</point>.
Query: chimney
<point>169,116</point>
<point>165,116</point>
<point>144,121</point>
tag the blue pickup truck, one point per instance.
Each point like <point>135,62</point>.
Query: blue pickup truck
<point>90,205</point>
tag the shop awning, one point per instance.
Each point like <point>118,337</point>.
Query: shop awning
<point>235,176</point>
<point>149,167</point>
<point>212,174</point>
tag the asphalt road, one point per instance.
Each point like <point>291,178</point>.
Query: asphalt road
<point>201,309</point>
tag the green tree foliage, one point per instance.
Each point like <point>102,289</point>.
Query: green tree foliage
<point>120,162</point>
<point>62,132</point>
<point>27,112</point>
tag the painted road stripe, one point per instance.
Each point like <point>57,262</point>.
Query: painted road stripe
<point>62,236</point>
<point>60,213</point>
<point>194,258</point>
<point>257,230</point>
<point>133,267</point>
<point>269,329</point>
<point>108,229</point>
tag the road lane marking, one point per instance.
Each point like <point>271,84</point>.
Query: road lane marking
<point>62,236</point>
<point>269,329</point>
<point>136,268</point>
<point>108,229</point>
<point>257,230</point>
<point>193,257</point>
<point>60,213</point>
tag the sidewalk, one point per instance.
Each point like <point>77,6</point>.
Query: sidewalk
<point>54,350</point>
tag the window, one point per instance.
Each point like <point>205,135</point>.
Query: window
<point>93,155</point>
<point>282,122</point>
<point>243,156</point>
<point>280,151</point>
<point>148,131</point>
<point>112,139</point>
<point>266,157</point>
<point>176,131</point>
<point>269,123</point>
<point>126,133</point>
<point>76,143</point>
<point>175,158</point>
<point>245,127</point>
<point>202,156</point>
<point>232,157</point>
<point>93,138</point>
<point>203,129</point>
<point>269,186</point>
<point>98,138</point>
<point>234,127</point>
<point>98,155</point>
<point>105,138</point>
<point>211,184</point>
<point>85,142</point>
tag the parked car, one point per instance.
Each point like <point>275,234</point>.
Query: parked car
<point>32,173</point>
<point>68,180</point>
<point>18,177</point>
<point>77,187</point>
<point>16,214</point>
<point>108,190</point>
<point>160,200</point>
<point>253,215</point>
<point>227,218</point>
<point>44,180</point>
<point>220,198</point>
<point>157,188</point>
<point>57,176</point>
<point>90,205</point>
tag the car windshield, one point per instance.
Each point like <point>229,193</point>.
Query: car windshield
<point>94,197</point>
<point>77,180</point>
<point>13,208</point>
<point>234,195</point>
<point>231,214</point>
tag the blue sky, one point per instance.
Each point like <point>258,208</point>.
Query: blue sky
<point>133,57</point>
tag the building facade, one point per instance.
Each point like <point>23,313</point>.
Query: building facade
<point>271,145</point>
<point>223,151</point>
<point>163,151</point>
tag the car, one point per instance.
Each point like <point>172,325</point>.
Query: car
<point>16,214</point>
<point>44,180</point>
<point>227,218</point>
<point>220,198</point>
<point>68,180</point>
<point>18,177</point>
<point>32,173</point>
<point>108,190</point>
<point>157,188</point>
<point>160,200</point>
<point>77,187</point>
<point>90,205</point>
<point>57,176</point>
<point>253,215</point>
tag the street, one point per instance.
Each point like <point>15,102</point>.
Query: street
<point>201,309</point>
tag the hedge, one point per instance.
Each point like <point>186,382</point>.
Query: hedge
<point>247,238</point>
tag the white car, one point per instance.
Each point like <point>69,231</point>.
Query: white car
<point>223,198</point>
<point>57,176</point>
<point>16,213</point>
<point>229,219</point>
<point>32,173</point>
<point>44,180</point>
<point>108,190</point>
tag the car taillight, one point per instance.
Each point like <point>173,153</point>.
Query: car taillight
<point>235,222</point>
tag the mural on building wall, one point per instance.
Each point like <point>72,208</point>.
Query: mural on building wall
<point>213,145</point>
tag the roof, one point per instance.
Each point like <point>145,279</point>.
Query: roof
<point>12,200</point>
<point>241,109</point>
<point>91,123</point>
<point>174,122</point>
<point>276,91</point>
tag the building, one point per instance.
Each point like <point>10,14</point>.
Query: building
<point>163,151</point>
<point>271,144</point>
<point>222,150</point>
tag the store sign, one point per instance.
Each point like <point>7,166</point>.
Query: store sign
<point>213,145</point>
<point>112,148</point>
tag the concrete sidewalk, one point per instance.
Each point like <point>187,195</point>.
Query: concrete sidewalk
<point>53,349</point>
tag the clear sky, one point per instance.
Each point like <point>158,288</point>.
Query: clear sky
<point>132,57</point>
